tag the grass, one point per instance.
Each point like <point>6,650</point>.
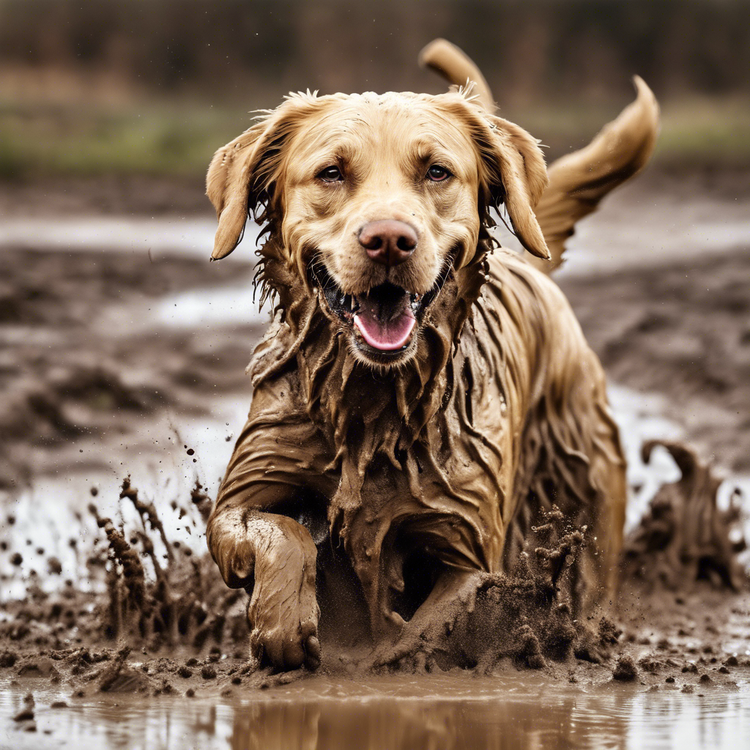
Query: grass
<point>150,139</point>
<point>695,130</point>
<point>44,139</point>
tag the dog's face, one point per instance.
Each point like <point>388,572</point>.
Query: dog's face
<point>381,201</point>
<point>377,200</point>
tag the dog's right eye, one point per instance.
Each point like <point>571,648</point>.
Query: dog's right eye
<point>330,174</point>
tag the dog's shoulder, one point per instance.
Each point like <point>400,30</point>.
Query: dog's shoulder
<point>513,279</point>
<point>529,318</point>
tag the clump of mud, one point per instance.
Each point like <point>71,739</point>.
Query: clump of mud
<point>525,616</point>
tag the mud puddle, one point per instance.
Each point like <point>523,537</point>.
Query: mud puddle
<point>446,712</point>
<point>187,236</point>
<point>678,674</point>
<point>677,218</point>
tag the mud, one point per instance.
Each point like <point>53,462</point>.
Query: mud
<point>80,354</point>
<point>149,195</point>
<point>681,328</point>
<point>164,623</point>
<point>685,536</point>
<point>680,623</point>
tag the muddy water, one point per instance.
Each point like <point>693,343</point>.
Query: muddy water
<point>673,221</point>
<point>455,710</point>
<point>190,236</point>
<point>511,709</point>
<point>643,227</point>
<point>450,711</point>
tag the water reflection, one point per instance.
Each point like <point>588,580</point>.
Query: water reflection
<point>405,725</point>
<point>444,712</point>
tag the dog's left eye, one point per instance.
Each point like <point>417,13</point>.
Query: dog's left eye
<point>330,174</point>
<point>436,173</point>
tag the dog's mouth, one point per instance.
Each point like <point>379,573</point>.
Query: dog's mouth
<point>383,320</point>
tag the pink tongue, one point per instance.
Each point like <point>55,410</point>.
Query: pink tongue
<point>386,336</point>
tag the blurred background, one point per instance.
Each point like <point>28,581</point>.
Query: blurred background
<point>89,87</point>
<point>122,350</point>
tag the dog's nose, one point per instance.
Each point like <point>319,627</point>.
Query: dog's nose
<point>388,241</point>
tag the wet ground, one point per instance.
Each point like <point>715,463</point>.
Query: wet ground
<point>447,712</point>
<point>123,353</point>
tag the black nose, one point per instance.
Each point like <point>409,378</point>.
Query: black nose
<point>388,241</point>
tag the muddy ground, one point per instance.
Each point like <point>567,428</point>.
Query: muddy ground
<point>79,351</point>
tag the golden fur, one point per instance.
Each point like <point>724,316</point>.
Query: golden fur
<point>405,474</point>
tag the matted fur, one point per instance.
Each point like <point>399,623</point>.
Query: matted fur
<point>444,458</point>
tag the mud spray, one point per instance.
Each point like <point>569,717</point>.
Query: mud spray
<point>162,621</point>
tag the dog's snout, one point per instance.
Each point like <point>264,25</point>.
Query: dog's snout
<point>388,241</point>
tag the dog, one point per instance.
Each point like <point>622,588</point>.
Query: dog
<point>422,393</point>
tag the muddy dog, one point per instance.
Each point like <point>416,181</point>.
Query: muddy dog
<point>421,393</point>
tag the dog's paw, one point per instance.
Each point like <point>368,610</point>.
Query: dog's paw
<point>286,650</point>
<point>283,611</point>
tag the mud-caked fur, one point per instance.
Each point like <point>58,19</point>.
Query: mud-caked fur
<point>393,480</point>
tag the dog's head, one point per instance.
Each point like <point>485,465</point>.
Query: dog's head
<point>374,201</point>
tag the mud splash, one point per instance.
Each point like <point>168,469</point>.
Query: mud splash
<point>524,617</point>
<point>164,622</point>
<point>685,537</point>
<point>180,600</point>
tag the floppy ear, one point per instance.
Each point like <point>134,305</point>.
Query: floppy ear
<point>517,178</point>
<point>228,187</point>
<point>241,173</point>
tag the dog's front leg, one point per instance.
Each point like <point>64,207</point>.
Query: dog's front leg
<point>274,558</point>
<point>454,591</point>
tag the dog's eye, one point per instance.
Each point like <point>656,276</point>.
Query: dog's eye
<point>330,174</point>
<point>437,173</point>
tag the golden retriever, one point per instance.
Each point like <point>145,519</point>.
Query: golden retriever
<point>421,393</point>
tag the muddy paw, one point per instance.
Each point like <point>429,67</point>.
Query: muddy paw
<point>285,651</point>
<point>283,611</point>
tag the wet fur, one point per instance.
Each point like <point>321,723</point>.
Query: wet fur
<point>401,482</point>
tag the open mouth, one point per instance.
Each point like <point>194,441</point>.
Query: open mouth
<point>384,319</point>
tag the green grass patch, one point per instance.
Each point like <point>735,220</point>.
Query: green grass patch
<point>704,131</point>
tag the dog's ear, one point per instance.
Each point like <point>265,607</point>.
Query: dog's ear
<point>228,187</point>
<point>241,174</point>
<point>516,177</point>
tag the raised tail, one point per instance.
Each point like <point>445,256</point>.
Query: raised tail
<point>577,181</point>
<point>453,64</point>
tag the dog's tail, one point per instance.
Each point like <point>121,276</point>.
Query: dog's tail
<point>578,181</point>
<point>453,64</point>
